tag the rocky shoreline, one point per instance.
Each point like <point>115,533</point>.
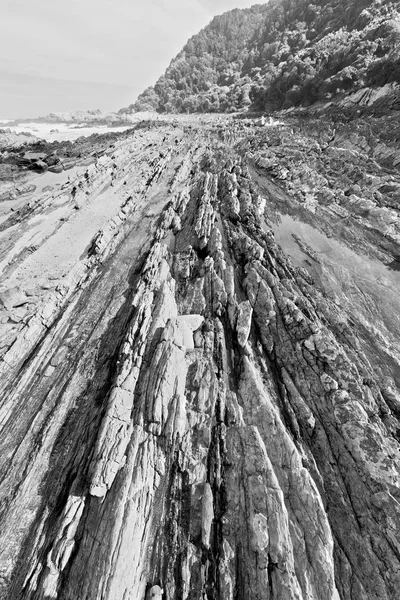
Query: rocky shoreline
<point>200,363</point>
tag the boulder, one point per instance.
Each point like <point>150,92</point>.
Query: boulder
<point>12,297</point>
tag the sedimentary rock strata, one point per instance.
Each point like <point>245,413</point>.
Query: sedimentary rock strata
<point>196,404</point>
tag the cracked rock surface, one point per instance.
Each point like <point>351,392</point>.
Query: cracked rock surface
<point>200,367</point>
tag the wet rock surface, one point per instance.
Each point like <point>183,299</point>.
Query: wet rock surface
<point>201,368</point>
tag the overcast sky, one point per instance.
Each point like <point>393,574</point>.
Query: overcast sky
<point>66,55</point>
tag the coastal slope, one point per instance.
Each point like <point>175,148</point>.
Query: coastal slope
<point>282,54</point>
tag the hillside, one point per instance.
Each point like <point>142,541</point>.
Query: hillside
<point>282,54</point>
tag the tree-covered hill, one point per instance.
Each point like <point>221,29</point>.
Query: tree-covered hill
<point>281,54</point>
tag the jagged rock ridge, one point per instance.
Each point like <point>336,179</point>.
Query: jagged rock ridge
<point>186,411</point>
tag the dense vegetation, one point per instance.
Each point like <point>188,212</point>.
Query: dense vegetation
<point>285,53</point>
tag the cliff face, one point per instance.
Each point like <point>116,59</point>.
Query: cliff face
<point>200,368</point>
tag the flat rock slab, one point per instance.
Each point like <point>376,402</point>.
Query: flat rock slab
<point>12,297</point>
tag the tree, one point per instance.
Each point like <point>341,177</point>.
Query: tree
<point>281,54</point>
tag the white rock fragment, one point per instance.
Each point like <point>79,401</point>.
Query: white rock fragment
<point>260,530</point>
<point>12,297</point>
<point>63,545</point>
<point>243,326</point>
<point>207,515</point>
<point>154,593</point>
<point>180,330</point>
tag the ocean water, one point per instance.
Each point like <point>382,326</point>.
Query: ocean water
<point>60,131</point>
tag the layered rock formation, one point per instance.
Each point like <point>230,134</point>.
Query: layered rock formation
<point>187,411</point>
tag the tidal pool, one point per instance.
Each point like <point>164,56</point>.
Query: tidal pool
<point>367,289</point>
